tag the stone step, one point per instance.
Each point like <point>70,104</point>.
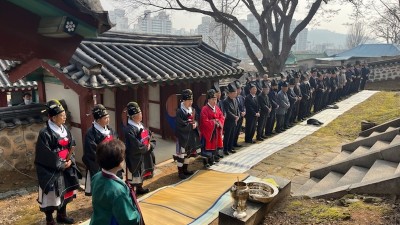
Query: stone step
<point>374,133</point>
<point>307,186</point>
<point>391,128</point>
<point>396,140</point>
<point>380,169</point>
<point>328,182</point>
<point>342,155</point>
<point>359,138</point>
<point>398,169</point>
<point>354,175</point>
<point>360,150</point>
<point>379,145</point>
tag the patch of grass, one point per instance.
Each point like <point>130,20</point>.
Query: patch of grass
<point>369,207</point>
<point>379,108</point>
<point>325,212</point>
<point>317,211</point>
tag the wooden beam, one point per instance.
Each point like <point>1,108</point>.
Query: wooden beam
<point>3,99</point>
<point>24,69</point>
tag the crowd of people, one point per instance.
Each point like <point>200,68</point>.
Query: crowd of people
<point>113,198</point>
<point>267,106</point>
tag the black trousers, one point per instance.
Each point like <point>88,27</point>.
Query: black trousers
<point>229,134</point>
<point>237,130</point>
<point>250,130</point>
<point>303,109</point>
<point>262,121</point>
<point>269,126</point>
<point>280,121</point>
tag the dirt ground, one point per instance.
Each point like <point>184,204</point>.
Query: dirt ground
<point>23,209</point>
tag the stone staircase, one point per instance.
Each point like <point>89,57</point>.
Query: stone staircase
<point>368,165</point>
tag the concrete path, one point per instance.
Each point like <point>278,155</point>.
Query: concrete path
<point>248,157</point>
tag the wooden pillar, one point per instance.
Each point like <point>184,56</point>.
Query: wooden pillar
<point>85,106</point>
<point>143,101</point>
<point>41,91</point>
<point>3,99</point>
<point>122,97</point>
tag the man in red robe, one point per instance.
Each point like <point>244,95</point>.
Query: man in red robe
<point>211,125</point>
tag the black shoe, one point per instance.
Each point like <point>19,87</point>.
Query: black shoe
<point>141,191</point>
<point>220,156</point>
<point>264,136</point>
<point>216,159</point>
<point>237,145</point>
<point>232,151</point>
<point>278,131</point>
<point>260,139</point>
<point>226,153</point>
<point>207,166</point>
<point>64,219</point>
<point>182,176</point>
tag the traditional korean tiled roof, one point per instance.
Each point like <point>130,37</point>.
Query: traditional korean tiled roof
<point>121,59</point>
<point>6,85</point>
<point>11,117</point>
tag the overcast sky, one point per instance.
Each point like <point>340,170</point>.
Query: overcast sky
<point>191,20</point>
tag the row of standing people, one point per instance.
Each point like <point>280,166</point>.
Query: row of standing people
<point>113,200</point>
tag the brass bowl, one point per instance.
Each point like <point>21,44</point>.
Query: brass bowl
<point>262,192</point>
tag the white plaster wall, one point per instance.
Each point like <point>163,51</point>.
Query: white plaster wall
<point>77,134</point>
<point>55,91</point>
<point>154,115</point>
<point>112,119</point>
<point>154,93</point>
<point>108,98</point>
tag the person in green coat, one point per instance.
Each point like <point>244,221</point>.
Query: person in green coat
<point>113,201</point>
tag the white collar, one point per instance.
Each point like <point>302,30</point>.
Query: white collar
<point>103,130</point>
<point>213,108</point>
<point>187,110</point>
<point>59,130</point>
<point>110,173</point>
<point>137,125</point>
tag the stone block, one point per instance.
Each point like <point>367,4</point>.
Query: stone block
<point>255,211</point>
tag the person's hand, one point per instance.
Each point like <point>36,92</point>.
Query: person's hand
<point>194,125</point>
<point>243,114</point>
<point>257,114</point>
<point>148,147</point>
<point>68,164</point>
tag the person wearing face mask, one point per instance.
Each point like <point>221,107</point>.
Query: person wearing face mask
<point>341,83</point>
<point>55,165</point>
<point>284,104</point>
<point>272,95</point>
<point>140,157</point>
<point>97,133</point>
<point>306,96</point>
<point>27,97</point>
<point>293,98</point>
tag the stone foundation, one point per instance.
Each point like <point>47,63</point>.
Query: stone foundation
<point>389,70</point>
<point>17,147</point>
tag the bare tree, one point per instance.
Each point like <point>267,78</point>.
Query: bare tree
<point>356,35</point>
<point>274,18</point>
<point>387,24</point>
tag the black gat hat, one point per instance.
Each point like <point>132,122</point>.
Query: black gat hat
<point>54,107</point>
<point>99,111</point>
<point>187,94</point>
<point>133,108</point>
